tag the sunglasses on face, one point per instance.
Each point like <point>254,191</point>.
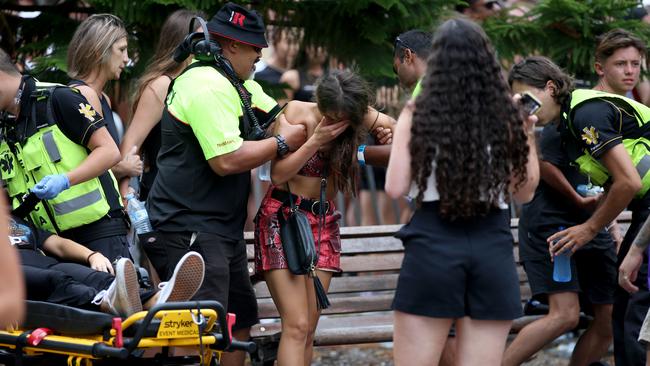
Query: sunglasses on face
<point>401,44</point>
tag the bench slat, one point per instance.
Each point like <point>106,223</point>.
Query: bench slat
<point>346,284</point>
<point>339,305</point>
<point>372,262</point>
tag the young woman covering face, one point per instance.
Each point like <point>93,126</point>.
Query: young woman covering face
<point>336,125</point>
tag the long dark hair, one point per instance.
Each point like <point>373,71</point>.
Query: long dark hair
<point>465,122</point>
<point>343,92</point>
<point>172,33</point>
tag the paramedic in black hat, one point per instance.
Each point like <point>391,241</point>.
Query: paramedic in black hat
<point>198,200</point>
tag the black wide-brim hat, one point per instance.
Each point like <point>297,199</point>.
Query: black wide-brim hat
<point>239,24</point>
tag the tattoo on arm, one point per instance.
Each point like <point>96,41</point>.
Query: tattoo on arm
<point>642,239</point>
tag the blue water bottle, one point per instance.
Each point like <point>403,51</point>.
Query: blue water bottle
<point>562,266</point>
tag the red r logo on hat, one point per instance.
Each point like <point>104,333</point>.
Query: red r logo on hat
<point>237,18</point>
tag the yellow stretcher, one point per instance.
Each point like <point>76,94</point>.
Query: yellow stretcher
<point>61,335</point>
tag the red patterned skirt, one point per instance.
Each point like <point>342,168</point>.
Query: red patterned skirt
<point>269,254</point>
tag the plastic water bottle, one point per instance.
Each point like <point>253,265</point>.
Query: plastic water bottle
<point>138,215</point>
<point>588,190</point>
<point>264,172</point>
<point>562,266</point>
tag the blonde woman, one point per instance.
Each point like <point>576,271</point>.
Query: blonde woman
<point>98,54</point>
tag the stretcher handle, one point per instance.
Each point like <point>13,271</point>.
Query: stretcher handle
<point>30,200</point>
<point>248,347</point>
<point>104,350</point>
<point>131,344</point>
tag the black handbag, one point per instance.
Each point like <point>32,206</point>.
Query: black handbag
<point>298,242</point>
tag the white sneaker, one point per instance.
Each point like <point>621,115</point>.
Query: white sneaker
<point>186,280</point>
<point>123,295</point>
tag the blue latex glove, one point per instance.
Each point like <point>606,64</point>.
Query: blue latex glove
<point>51,185</point>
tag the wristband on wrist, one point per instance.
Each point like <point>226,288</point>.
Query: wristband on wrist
<point>361,157</point>
<point>283,148</point>
<point>90,255</point>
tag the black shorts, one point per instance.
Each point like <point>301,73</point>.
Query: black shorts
<point>457,269</point>
<point>593,272</point>
<point>226,269</point>
<point>111,247</point>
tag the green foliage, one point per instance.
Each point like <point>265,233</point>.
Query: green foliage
<point>356,32</point>
<point>563,30</point>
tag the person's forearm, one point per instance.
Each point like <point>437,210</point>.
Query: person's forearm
<point>377,155</point>
<point>617,198</point>
<point>119,170</point>
<point>98,161</point>
<point>642,238</point>
<point>286,168</point>
<point>66,249</point>
<point>554,177</point>
<point>74,252</point>
<point>250,154</point>
<point>123,186</point>
<point>525,191</point>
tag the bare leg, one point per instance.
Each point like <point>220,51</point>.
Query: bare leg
<point>236,358</point>
<point>449,352</point>
<point>413,331</point>
<point>314,314</point>
<point>368,216</point>
<point>481,342</point>
<point>405,211</point>
<point>564,310</point>
<point>595,341</point>
<point>290,296</point>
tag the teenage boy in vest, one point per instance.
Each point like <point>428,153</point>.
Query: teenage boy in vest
<point>558,204</point>
<point>606,136</point>
<point>56,145</point>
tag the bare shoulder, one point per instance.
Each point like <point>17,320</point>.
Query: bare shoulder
<point>160,84</point>
<point>158,87</point>
<point>298,112</point>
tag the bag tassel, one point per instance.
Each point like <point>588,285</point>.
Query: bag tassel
<point>322,302</point>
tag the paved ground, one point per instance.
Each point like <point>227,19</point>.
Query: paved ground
<point>557,354</point>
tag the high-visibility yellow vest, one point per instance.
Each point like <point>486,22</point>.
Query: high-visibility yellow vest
<point>638,148</point>
<point>49,151</point>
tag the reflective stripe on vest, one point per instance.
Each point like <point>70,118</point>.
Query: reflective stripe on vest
<point>77,203</point>
<point>638,149</point>
<point>50,147</point>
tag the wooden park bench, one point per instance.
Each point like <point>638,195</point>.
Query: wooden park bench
<point>361,296</point>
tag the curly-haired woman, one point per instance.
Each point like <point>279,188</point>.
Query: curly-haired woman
<point>459,150</point>
<point>336,124</point>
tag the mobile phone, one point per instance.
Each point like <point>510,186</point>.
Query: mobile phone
<point>529,103</point>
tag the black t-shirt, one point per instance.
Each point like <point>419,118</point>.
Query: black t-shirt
<point>78,121</point>
<point>269,75</point>
<point>29,240</point>
<point>549,210</point>
<point>600,125</point>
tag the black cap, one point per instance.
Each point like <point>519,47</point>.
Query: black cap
<point>240,24</point>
